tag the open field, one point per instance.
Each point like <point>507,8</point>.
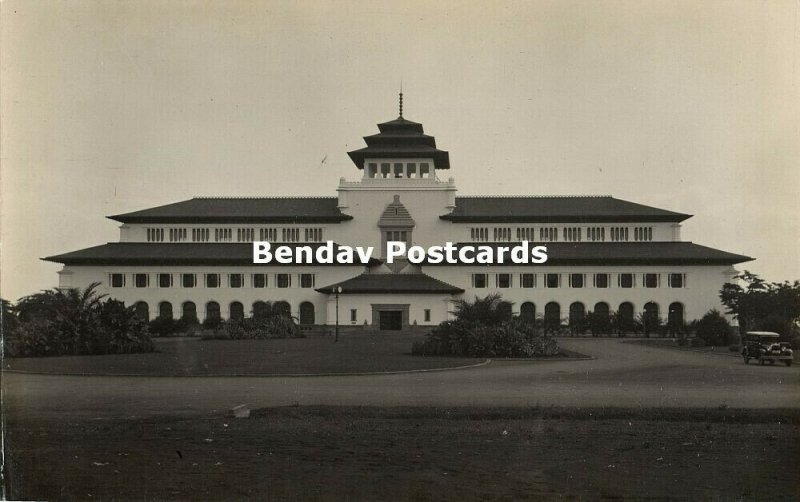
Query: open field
<point>324,453</point>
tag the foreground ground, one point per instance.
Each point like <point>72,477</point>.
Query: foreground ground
<point>139,437</point>
<point>413,454</point>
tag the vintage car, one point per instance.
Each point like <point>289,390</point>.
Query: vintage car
<point>763,346</point>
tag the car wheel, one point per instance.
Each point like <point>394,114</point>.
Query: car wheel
<point>788,363</point>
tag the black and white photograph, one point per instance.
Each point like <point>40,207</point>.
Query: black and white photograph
<point>400,251</point>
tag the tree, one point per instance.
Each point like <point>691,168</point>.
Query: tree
<point>762,305</point>
<point>714,329</point>
<point>490,310</point>
<point>9,317</point>
<point>74,321</point>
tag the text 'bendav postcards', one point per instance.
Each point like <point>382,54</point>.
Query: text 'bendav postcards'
<point>463,254</point>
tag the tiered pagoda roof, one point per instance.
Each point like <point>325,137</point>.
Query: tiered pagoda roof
<point>400,138</point>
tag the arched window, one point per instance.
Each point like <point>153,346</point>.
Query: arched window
<point>651,320</point>
<point>261,310</point>
<point>189,312</point>
<point>237,311</point>
<point>625,317</point>
<point>601,309</point>
<point>552,316</point>
<point>212,311</point>
<point>142,310</point>
<point>577,313</point>
<point>282,308</point>
<point>527,311</point>
<point>675,318</point>
<point>307,313</point>
<point>600,321</point>
<point>165,310</point>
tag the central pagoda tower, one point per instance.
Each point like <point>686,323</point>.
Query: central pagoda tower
<point>400,150</point>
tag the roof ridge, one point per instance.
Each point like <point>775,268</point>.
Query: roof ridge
<point>257,197</point>
<point>533,196</point>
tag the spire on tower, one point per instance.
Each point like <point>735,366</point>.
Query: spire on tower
<point>401,99</point>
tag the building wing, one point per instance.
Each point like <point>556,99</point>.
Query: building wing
<point>623,253</point>
<point>241,210</point>
<point>556,209</point>
<point>145,253</point>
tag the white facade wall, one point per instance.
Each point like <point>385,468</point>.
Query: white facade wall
<point>700,294</point>
<point>439,306</point>
<point>426,199</point>
<point>82,276</point>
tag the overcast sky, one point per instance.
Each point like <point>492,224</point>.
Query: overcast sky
<point>109,107</point>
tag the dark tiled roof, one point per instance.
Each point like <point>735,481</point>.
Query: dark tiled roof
<point>558,209</point>
<point>393,284</point>
<point>625,253</point>
<point>400,138</point>
<point>396,215</point>
<point>241,210</point>
<point>145,253</point>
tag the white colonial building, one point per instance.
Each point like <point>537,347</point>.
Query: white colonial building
<point>194,257</point>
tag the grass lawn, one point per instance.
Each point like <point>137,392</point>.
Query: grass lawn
<point>354,353</point>
<point>325,453</point>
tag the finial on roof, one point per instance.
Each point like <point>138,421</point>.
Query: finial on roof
<point>401,99</point>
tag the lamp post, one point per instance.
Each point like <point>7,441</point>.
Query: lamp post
<point>338,290</point>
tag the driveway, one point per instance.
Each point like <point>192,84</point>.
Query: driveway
<point>621,375</point>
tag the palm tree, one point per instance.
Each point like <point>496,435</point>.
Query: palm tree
<point>490,310</point>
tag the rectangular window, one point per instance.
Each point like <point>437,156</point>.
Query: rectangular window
<point>650,280</point>
<point>527,280</point>
<point>479,280</point>
<point>424,170</point>
<point>188,280</point>
<point>212,280</point>
<point>353,315</point>
<point>306,280</point>
<point>552,280</point>
<point>164,280</point>
<point>427,315</point>
<point>576,280</point>
<point>625,280</point>
<point>236,280</point>
<point>677,280</point>
<point>283,280</point>
<point>259,280</point>
<point>117,280</point>
<point>141,280</point>
<point>503,280</point>
<point>601,280</point>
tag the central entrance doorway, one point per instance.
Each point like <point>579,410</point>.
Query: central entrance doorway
<point>391,320</point>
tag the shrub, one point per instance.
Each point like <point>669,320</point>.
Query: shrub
<point>275,326</point>
<point>75,322</point>
<point>714,329</point>
<point>697,342</point>
<point>166,326</point>
<point>214,323</point>
<point>483,329</point>
<point>598,324</point>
